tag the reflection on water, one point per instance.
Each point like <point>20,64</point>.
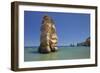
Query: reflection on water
<point>64,53</point>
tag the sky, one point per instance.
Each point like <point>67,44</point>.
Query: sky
<point>71,28</point>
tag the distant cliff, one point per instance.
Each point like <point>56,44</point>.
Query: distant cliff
<point>85,43</point>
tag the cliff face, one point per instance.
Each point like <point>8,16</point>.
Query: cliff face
<point>85,43</point>
<point>48,38</point>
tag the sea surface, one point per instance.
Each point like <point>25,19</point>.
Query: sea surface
<point>63,53</point>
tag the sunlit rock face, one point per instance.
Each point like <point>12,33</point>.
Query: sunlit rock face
<point>48,38</point>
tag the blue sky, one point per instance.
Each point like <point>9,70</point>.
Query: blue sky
<point>71,27</point>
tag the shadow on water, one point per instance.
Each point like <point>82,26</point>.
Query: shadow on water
<point>34,52</point>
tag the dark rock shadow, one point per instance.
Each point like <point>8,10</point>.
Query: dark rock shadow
<point>35,52</point>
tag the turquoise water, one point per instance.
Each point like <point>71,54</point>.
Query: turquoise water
<point>64,53</point>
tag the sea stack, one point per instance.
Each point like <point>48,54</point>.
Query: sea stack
<point>48,37</point>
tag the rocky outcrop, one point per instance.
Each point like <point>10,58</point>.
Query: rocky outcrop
<point>48,38</point>
<point>85,43</point>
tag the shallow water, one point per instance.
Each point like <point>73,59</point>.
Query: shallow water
<point>63,53</point>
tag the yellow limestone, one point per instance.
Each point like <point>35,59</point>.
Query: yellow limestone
<point>48,37</point>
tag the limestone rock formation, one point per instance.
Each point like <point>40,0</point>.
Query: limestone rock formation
<point>48,38</point>
<point>85,43</point>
